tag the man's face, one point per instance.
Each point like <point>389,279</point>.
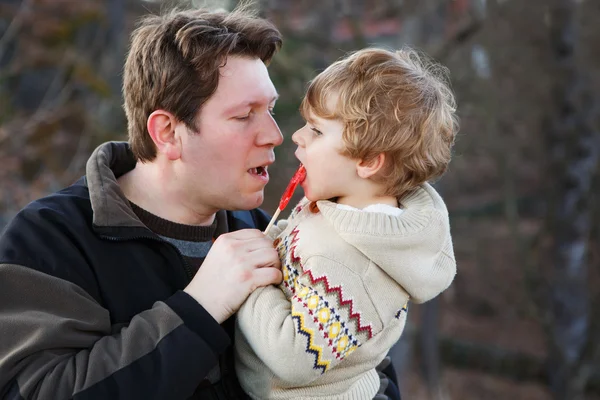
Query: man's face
<point>224,165</point>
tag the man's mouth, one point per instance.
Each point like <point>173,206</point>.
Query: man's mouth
<point>259,171</point>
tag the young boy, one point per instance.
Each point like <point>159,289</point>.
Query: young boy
<point>370,235</point>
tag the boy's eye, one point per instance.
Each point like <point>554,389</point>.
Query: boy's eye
<point>316,131</point>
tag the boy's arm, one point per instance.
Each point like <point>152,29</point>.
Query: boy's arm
<point>58,343</point>
<point>281,224</point>
<point>302,338</point>
<point>277,229</point>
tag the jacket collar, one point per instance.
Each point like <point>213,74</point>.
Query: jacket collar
<point>110,206</point>
<point>112,214</point>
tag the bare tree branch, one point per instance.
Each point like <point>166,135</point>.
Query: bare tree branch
<point>14,27</point>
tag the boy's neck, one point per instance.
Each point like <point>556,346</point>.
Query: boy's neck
<point>362,202</point>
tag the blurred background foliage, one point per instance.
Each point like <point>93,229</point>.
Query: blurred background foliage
<point>520,320</point>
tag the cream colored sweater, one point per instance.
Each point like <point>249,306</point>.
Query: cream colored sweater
<point>348,276</point>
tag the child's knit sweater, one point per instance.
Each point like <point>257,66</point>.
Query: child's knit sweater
<point>347,279</point>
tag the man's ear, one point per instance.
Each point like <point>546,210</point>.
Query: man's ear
<point>161,126</point>
<point>367,169</point>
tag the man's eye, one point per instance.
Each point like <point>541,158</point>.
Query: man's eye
<point>243,117</point>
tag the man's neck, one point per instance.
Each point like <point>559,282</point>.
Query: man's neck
<point>147,186</point>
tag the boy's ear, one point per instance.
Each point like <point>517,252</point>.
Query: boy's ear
<point>161,127</point>
<point>367,169</point>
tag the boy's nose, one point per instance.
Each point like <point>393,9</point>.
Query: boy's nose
<point>297,137</point>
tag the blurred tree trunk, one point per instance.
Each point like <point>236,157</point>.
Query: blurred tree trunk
<point>572,160</point>
<point>112,60</point>
<point>430,350</point>
<point>116,36</point>
<point>402,353</point>
<point>430,341</point>
<point>496,361</point>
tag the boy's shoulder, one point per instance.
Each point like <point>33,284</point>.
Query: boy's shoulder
<point>299,207</point>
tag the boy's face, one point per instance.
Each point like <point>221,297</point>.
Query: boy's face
<point>329,173</point>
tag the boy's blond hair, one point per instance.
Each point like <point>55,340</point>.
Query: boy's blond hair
<point>396,103</point>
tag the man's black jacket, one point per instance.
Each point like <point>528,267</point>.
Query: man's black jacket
<point>91,301</point>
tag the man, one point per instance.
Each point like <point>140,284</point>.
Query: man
<point>101,290</point>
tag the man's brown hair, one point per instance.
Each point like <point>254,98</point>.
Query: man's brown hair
<point>396,103</point>
<point>173,64</point>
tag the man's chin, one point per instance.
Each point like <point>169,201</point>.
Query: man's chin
<point>250,202</point>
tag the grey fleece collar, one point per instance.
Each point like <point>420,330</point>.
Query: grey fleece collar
<point>109,205</point>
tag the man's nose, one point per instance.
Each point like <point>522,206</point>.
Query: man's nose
<point>270,134</point>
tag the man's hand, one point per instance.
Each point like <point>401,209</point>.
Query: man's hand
<point>388,385</point>
<point>237,263</point>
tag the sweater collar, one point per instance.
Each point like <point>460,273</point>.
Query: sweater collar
<point>417,207</point>
<point>414,248</point>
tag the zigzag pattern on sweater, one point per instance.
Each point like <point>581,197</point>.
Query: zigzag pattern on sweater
<point>327,321</point>
<point>332,327</point>
<point>325,312</point>
<point>311,347</point>
<point>290,262</point>
<point>403,309</point>
<point>287,252</point>
<point>337,290</point>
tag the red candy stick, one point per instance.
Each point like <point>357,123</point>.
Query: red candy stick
<point>287,195</point>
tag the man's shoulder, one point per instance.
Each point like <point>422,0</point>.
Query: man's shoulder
<point>64,205</point>
<point>45,221</point>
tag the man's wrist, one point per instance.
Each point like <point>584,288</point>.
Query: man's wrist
<point>207,302</point>
<point>197,319</point>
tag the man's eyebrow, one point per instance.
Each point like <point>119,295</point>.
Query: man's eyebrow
<point>257,103</point>
<point>249,104</point>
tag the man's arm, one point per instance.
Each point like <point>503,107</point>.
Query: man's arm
<point>389,388</point>
<point>57,342</point>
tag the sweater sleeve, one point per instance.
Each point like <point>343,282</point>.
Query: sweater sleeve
<point>301,338</point>
<point>277,228</point>
<point>58,342</point>
<point>282,224</point>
